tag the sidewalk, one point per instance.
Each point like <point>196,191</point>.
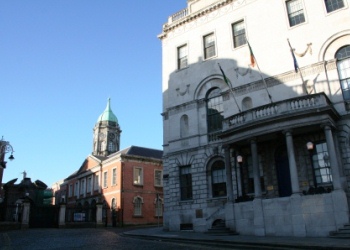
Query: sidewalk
<point>268,242</point>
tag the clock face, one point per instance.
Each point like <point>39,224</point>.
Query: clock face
<point>111,136</point>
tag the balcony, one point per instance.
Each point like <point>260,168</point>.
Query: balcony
<point>295,112</point>
<point>179,15</point>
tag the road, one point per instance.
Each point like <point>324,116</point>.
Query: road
<point>87,239</point>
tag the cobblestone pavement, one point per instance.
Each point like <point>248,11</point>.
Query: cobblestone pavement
<point>87,238</point>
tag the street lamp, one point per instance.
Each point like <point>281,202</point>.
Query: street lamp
<point>5,147</point>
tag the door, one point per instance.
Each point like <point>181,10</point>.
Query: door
<point>283,173</point>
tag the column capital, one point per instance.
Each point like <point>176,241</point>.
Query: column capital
<point>287,132</point>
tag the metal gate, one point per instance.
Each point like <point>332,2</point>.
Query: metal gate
<point>43,216</point>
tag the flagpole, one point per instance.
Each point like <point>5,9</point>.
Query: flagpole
<point>230,87</point>
<point>297,68</point>
<point>257,65</point>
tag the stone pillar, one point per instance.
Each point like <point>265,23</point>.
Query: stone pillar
<point>62,216</point>
<point>292,165</point>
<point>25,214</point>
<point>256,169</point>
<point>332,157</point>
<point>99,222</point>
<point>228,168</point>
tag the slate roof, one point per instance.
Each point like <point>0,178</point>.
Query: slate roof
<point>143,152</point>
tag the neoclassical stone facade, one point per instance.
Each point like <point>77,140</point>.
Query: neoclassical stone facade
<point>262,144</point>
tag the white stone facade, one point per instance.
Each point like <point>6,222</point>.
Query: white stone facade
<point>268,116</point>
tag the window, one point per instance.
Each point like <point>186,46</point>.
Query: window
<point>113,204</point>
<point>251,174</point>
<point>158,178</point>
<point>332,5</point>
<point>114,177</point>
<point>82,186</point>
<point>295,12</point>
<point>70,190</point>
<point>89,185</point>
<point>138,206</point>
<point>321,164</point>
<point>343,65</point>
<point>239,37</point>
<point>186,183</point>
<point>182,57</point>
<point>214,110</point>
<point>76,189</point>
<point>97,181</point>
<point>158,207</point>
<point>110,146</point>
<point>138,176</point>
<point>218,178</point>
<point>105,179</point>
<point>209,46</point>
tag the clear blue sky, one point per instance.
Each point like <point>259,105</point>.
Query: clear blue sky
<point>59,63</point>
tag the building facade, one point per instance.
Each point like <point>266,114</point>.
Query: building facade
<point>127,182</point>
<point>256,117</point>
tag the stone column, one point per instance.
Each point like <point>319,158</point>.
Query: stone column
<point>25,214</point>
<point>62,216</point>
<point>228,168</point>
<point>292,165</point>
<point>256,169</point>
<point>332,157</point>
<point>99,222</point>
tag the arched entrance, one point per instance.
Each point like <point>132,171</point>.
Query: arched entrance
<point>282,171</point>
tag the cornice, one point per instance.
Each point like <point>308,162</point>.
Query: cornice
<point>194,16</point>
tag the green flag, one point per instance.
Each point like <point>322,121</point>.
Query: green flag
<point>224,76</point>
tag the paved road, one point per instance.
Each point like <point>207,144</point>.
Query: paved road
<point>87,239</point>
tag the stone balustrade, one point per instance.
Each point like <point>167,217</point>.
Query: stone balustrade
<point>292,106</point>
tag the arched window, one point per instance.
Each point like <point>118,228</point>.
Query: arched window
<point>247,103</point>
<point>113,204</point>
<point>184,126</point>
<point>138,206</point>
<point>343,65</point>
<point>218,178</point>
<point>158,203</point>
<point>214,110</point>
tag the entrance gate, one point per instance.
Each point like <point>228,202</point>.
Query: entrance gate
<point>43,216</point>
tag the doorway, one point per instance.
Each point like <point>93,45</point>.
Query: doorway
<point>282,171</point>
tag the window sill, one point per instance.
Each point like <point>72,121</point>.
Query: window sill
<point>186,202</point>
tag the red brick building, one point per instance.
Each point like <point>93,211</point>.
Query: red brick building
<point>128,182</point>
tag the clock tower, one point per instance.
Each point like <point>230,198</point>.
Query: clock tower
<point>106,133</point>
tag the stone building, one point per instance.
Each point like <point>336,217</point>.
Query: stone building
<point>257,135</point>
<point>128,182</point>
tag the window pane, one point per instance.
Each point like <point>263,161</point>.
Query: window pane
<point>343,65</point>
<point>186,183</point>
<point>239,37</point>
<point>332,5</point>
<point>295,12</point>
<point>209,46</point>
<point>215,110</point>
<point>182,57</point>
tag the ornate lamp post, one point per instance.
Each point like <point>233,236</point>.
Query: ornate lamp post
<point>5,147</point>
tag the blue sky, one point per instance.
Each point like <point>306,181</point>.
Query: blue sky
<point>59,63</point>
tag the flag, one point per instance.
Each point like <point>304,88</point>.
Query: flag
<point>296,66</point>
<point>224,76</point>
<point>252,57</point>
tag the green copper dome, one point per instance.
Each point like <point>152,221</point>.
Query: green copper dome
<point>108,114</point>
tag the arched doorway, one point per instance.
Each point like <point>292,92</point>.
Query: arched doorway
<point>282,171</point>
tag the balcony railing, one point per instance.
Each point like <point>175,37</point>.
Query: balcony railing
<point>274,110</point>
<point>179,15</point>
